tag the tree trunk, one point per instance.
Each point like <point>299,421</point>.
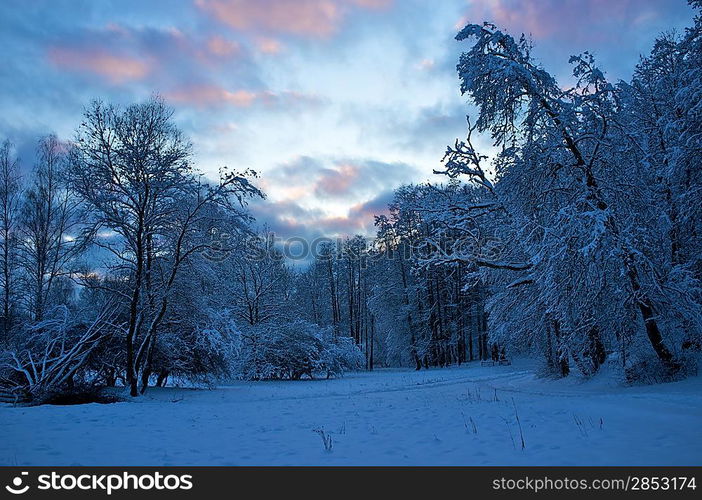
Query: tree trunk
<point>646,309</point>
<point>162,378</point>
<point>561,350</point>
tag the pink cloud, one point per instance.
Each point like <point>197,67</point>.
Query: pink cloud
<point>211,95</point>
<point>268,45</point>
<point>360,219</point>
<point>293,193</point>
<point>303,17</point>
<point>220,46</point>
<point>584,20</point>
<point>208,95</point>
<point>120,53</point>
<point>287,217</point>
<point>113,67</point>
<point>338,180</point>
<point>310,18</point>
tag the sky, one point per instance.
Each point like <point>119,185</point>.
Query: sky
<point>334,103</point>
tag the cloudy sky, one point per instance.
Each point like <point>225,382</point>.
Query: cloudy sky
<point>334,102</point>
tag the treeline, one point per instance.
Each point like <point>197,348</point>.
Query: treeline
<point>391,295</point>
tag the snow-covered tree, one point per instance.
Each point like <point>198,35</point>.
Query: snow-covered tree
<point>583,244</point>
<point>132,169</point>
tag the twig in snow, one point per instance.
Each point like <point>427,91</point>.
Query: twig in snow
<point>510,432</point>
<point>326,439</point>
<point>521,434</point>
<point>579,424</point>
<point>469,429</point>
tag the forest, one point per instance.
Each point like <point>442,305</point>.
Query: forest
<point>576,239</point>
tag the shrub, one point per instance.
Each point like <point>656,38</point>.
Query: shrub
<point>292,350</point>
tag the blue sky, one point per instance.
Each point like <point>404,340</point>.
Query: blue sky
<point>334,102</point>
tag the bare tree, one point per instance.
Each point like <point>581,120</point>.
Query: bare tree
<point>10,199</point>
<point>48,216</point>
<point>261,283</point>
<point>132,169</point>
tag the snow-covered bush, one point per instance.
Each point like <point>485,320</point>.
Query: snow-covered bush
<point>53,357</point>
<point>291,350</point>
<point>339,354</point>
<point>200,350</point>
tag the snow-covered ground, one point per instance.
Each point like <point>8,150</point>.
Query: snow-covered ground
<point>453,416</point>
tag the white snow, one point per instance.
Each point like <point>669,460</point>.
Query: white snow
<point>387,417</point>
